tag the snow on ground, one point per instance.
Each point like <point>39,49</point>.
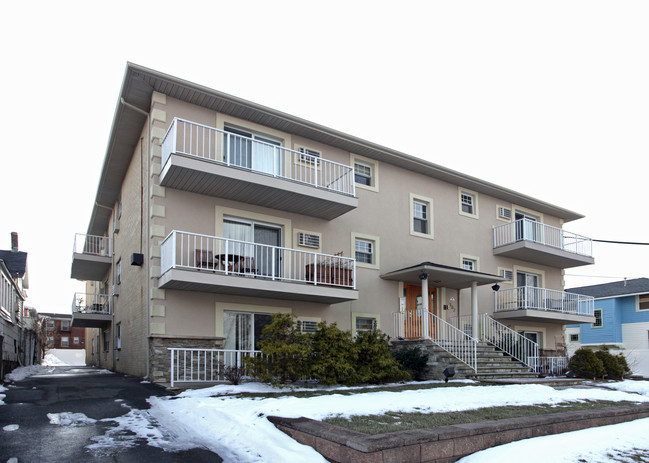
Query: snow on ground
<point>65,357</point>
<point>226,424</point>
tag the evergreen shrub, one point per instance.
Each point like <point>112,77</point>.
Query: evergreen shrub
<point>585,364</point>
<point>413,360</point>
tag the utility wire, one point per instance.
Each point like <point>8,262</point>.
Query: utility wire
<point>636,243</point>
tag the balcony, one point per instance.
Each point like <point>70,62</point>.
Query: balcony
<point>91,310</point>
<point>542,244</point>
<point>196,262</point>
<point>214,162</point>
<point>528,303</point>
<point>91,257</point>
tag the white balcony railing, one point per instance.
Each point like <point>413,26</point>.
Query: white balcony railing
<point>182,250</point>
<point>257,155</point>
<point>525,229</point>
<point>91,303</point>
<point>532,298</point>
<point>416,325</point>
<point>205,365</point>
<point>92,245</point>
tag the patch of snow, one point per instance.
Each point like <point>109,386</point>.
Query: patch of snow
<point>20,373</point>
<point>595,445</point>
<point>11,427</point>
<point>201,416</point>
<point>65,357</point>
<point>70,419</point>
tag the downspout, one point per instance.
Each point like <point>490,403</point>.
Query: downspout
<point>148,235</point>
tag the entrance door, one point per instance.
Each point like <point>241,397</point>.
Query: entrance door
<point>267,258</point>
<point>242,330</point>
<point>414,316</point>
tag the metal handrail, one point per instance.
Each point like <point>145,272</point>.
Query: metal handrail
<point>530,230</point>
<point>509,341</point>
<point>242,258</point>
<point>219,146</point>
<point>415,325</point>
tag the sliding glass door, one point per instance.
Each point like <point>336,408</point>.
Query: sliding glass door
<point>250,151</point>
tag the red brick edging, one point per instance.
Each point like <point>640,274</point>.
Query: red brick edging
<point>444,444</point>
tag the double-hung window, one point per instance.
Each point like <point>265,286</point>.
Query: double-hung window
<point>367,324</point>
<point>469,264</point>
<point>363,173</point>
<point>467,203</point>
<point>420,217</point>
<point>599,320</point>
<point>364,251</point>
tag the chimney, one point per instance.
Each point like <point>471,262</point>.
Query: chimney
<point>14,241</point>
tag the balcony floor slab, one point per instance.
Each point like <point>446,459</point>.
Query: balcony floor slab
<point>548,316</point>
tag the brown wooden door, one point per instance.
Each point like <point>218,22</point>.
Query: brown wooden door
<point>414,328</point>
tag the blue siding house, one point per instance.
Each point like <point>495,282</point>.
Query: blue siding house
<point>621,322</point>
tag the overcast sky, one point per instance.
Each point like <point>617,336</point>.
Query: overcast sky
<point>549,98</point>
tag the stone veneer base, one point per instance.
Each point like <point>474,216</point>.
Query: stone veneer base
<point>444,444</point>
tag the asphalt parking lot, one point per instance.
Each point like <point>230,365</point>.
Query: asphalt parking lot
<point>85,414</point>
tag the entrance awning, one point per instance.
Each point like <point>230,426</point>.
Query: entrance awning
<point>442,276</point>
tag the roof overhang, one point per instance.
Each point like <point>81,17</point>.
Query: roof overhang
<point>441,276</point>
<point>135,97</point>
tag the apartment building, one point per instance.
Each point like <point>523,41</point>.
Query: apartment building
<point>213,213</point>
<point>61,334</point>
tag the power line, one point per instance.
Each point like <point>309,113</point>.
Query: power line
<point>623,242</point>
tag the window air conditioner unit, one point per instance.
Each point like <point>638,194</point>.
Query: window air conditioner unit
<point>504,213</point>
<point>116,226</point>
<point>507,274</point>
<point>308,240</point>
<point>114,290</point>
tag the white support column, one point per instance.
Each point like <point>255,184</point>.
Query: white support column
<point>424,305</point>
<point>474,309</point>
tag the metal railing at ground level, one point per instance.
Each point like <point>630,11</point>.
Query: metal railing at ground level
<point>205,365</point>
<point>550,366</point>
<point>241,258</point>
<point>256,154</point>
<point>509,341</point>
<point>416,325</point>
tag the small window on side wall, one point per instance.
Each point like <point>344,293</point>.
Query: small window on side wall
<point>599,321</point>
<point>365,324</point>
<point>363,173</point>
<point>468,203</point>
<point>364,251</point>
<point>366,172</point>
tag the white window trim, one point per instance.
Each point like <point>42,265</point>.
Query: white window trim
<point>377,250</point>
<point>474,259</point>
<point>637,303</point>
<point>431,223</point>
<point>474,194</point>
<point>354,158</point>
<point>592,325</point>
<point>356,315</point>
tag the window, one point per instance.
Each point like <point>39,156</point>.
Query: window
<point>65,341</point>
<point>599,322</point>
<point>106,340</point>
<point>50,324</point>
<point>574,337</point>
<point>243,330</point>
<point>365,324</point>
<point>643,302</point>
<point>420,217</point>
<point>468,203</point>
<point>363,174</point>
<point>75,340</point>
<point>119,336</point>
<point>119,272</point>
<point>364,251</point>
<point>251,151</point>
<point>469,264</point>
<point>65,325</point>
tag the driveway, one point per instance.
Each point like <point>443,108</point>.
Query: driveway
<point>86,414</point>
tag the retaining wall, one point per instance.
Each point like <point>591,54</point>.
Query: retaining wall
<point>444,444</point>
